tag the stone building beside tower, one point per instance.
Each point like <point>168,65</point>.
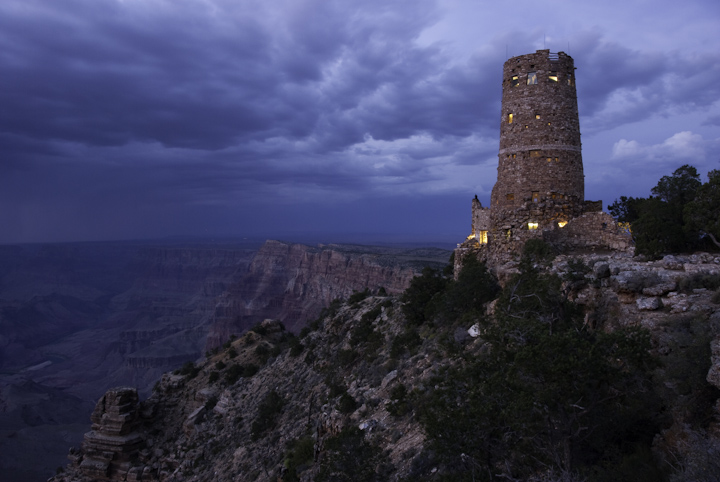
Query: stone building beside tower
<point>540,189</point>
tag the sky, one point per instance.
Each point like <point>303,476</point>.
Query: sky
<point>372,120</point>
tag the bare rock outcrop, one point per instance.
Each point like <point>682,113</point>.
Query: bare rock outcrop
<point>114,443</point>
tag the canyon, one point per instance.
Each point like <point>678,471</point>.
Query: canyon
<point>77,319</point>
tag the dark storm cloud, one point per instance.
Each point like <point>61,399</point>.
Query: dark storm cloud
<point>619,85</point>
<point>150,116</point>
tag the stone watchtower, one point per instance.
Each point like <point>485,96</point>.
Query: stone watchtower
<point>540,187</point>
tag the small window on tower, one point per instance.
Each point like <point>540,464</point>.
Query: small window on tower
<point>508,234</point>
<point>553,77</point>
<point>535,153</point>
<point>482,239</point>
<point>570,81</point>
<point>532,225</point>
<point>549,159</point>
<point>557,159</point>
<point>537,116</point>
<point>510,196</point>
<point>510,118</point>
<point>515,80</point>
<point>532,78</point>
<point>561,224</point>
<point>514,156</point>
<point>535,196</point>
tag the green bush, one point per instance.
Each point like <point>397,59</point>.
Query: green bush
<point>358,296</point>
<point>548,394</point>
<point>399,404</point>
<point>300,454</point>
<point>349,457</point>
<point>409,340</point>
<point>189,369</point>
<point>422,297</point>
<point>268,411</point>
<point>346,357</point>
<point>347,403</point>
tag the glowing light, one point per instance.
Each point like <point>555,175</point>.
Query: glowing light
<point>532,225</point>
<point>561,224</point>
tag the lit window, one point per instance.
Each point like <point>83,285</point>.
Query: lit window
<point>561,224</point>
<point>526,127</point>
<point>537,116</point>
<point>482,239</point>
<point>532,78</point>
<point>532,225</point>
<point>510,118</point>
<point>557,159</point>
<point>514,156</point>
<point>535,153</point>
<point>535,196</point>
<point>553,77</point>
<point>549,123</point>
<point>570,81</point>
<point>508,234</point>
<point>549,159</point>
<point>514,81</point>
<point>510,197</point>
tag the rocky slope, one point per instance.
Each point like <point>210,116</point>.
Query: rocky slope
<point>78,319</point>
<point>269,406</point>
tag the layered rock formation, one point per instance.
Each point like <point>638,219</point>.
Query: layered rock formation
<point>293,282</point>
<point>113,445</point>
<point>224,421</point>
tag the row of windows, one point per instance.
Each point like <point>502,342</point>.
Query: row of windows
<point>532,79</point>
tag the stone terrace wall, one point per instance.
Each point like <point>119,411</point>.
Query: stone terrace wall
<point>594,231</point>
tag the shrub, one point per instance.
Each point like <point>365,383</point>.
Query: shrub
<point>423,295</point>
<point>358,296</point>
<point>406,341</point>
<point>268,411</point>
<point>213,377</point>
<point>347,403</point>
<point>346,357</point>
<point>219,365</point>
<point>301,453</point>
<point>296,347</point>
<point>348,456</point>
<point>232,353</point>
<point>189,369</point>
<point>399,404</point>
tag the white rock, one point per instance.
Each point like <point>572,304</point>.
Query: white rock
<point>474,330</point>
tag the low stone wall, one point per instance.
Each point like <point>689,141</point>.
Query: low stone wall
<point>593,231</point>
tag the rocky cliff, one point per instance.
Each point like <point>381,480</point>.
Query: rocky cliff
<point>79,319</point>
<point>270,406</point>
<point>293,282</point>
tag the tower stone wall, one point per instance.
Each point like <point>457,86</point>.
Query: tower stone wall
<point>540,187</point>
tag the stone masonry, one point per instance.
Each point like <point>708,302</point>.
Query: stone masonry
<point>540,190</point>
